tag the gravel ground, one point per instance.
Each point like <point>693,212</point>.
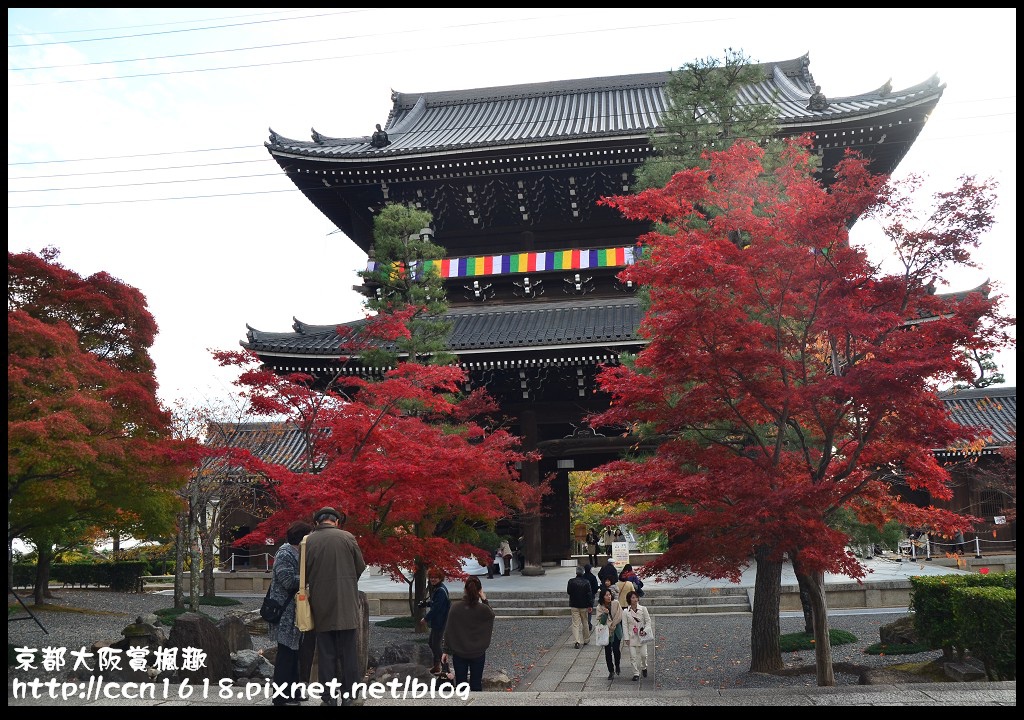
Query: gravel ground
<point>696,651</point>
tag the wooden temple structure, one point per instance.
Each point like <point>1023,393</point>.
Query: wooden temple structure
<point>512,176</point>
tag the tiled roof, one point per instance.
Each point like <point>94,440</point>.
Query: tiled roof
<point>991,409</point>
<point>624,106</point>
<point>577,324</point>
<point>533,325</point>
<point>280,443</point>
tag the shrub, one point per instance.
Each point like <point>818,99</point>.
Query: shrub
<point>987,617</point>
<point>932,604</point>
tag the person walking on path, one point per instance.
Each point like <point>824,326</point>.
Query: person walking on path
<point>334,563</point>
<point>437,616</point>
<point>284,584</point>
<point>592,539</point>
<point>581,604</point>
<point>595,585</point>
<point>637,625</point>
<point>607,584</point>
<point>628,573</point>
<point>608,571</point>
<point>468,634</point>
<point>609,613</point>
<point>624,587</point>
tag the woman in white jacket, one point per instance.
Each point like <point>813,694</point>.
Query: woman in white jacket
<point>636,621</point>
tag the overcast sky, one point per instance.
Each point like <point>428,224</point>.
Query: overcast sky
<point>135,136</point>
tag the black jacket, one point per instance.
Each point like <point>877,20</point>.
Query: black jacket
<point>608,571</point>
<point>579,593</point>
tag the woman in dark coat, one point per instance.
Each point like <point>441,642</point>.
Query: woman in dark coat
<point>283,586</point>
<point>468,634</point>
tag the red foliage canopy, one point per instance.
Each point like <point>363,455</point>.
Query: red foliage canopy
<point>88,443</point>
<point>401,456</point>
<point>790,378</point>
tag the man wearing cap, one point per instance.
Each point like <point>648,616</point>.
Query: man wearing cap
<point>581,604</point>
<point>334,563</point>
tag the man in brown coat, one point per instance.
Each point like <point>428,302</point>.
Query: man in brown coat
<point>334,563</point>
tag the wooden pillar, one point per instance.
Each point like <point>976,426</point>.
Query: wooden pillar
<point>531,474</point>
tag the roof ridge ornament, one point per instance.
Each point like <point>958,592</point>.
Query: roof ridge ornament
<point>885,89</point>
<point>274,137</point>
<point>818,101</point>
<point>379,138</point>
<point>317,137</point>
<point>805,69</point>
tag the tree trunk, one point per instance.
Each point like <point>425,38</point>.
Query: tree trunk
<point>822,643</point>
<point>10,563</point>
<point>805,595</point>
<point>179,561</point>
<point>765,653</point>
<point>206,543</point>
<point>193,557</point>
<point>44,553</point>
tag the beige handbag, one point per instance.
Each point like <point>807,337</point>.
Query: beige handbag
<point>303,613</point>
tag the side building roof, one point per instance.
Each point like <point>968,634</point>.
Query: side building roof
<point>992,410</point>
<point>280,443</point>
<point>570,327</point>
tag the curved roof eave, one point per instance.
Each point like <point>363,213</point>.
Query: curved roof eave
<point>422,125</point>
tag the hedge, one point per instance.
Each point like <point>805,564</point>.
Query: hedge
<point>988,623</point>
<point>123,576</point>
<point>931,600</point>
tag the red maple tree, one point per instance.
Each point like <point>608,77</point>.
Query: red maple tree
<point>787,375</point>
<point>89,447</point>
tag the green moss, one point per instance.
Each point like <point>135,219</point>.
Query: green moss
<point>169,615</point>
<point>404,621</point>
<point>795,642</point>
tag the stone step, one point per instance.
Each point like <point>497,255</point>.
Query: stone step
<point>660,611</point>
<point>659,601</point>
<point>651,603</point>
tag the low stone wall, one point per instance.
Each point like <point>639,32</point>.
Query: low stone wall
<point>840,596</point>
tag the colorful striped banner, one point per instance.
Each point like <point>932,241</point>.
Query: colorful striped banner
<point>527,262</point>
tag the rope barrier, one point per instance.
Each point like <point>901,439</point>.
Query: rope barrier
<point>269,560</point>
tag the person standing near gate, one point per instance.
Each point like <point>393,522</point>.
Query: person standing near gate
<point>592,539</point>
<point>437,615</point>
<point>607,537</point>
<point>334,563</point>
<point>581,605</point>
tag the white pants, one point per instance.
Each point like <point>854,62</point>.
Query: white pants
<point>634,651</point>
<point>580,626</point>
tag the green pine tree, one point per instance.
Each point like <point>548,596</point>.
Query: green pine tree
<point>401,280</point>
<point>705,113</point>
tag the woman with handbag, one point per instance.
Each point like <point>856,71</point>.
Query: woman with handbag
<point>468,634</point>
<point>609,614</point>
<point>283,586</point>
<point>639,632</point>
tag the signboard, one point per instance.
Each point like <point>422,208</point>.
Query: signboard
<point>580,532</point>
<point>620,554</point>
<point>269,541</point>
<point>999,519</point>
